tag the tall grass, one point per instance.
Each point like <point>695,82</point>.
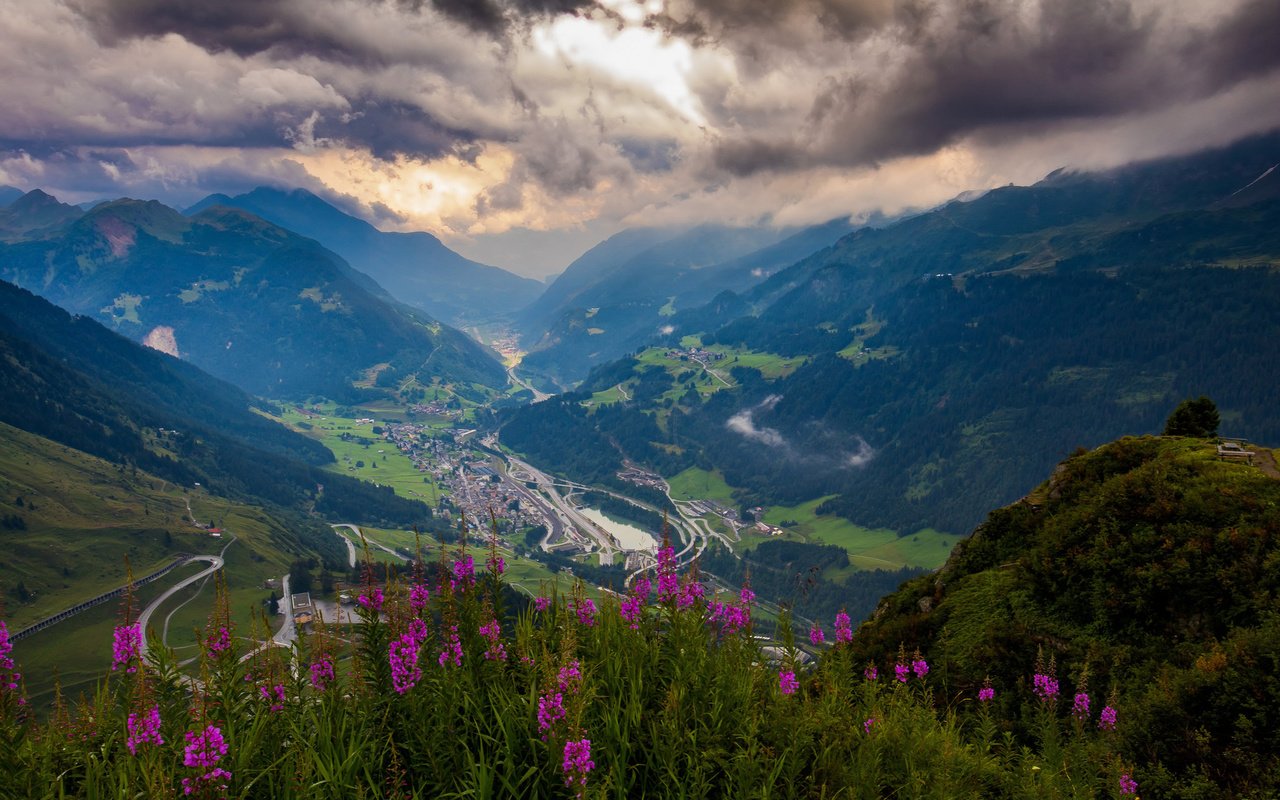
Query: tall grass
<point>680,701</point>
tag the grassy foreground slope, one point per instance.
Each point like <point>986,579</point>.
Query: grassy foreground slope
<point>81,518</point>
<point>1148,569</point>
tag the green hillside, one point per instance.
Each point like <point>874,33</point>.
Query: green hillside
<point>247,301</point>
<point>1151,566</point>
<point>75,526</point>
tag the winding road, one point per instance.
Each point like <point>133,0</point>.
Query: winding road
<point>144,619</point>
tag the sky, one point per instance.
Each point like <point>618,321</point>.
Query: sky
<point>522,132</point>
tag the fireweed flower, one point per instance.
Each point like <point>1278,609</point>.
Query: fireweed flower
<point>371,600</point>
<point>816,636</point>
<point>1045,686</point>
<point>787,682</point>
<point>496,564</point>
<point>463,575</point>
<point>126,644</point>
<point>1127,784</point>
<point>418,630</point>
<point>419,596</point>
<point>204,749</point>
<point>866,726</point>
<point>919,666</point>
<point>901,672</point>
<point>871,673</point>
<point>577,763</point>
<point>541,603</point>
<point>844,629</point>
<point>219,641</point>
<point>631,609</point>
<point>143,729</point>
<point>403,655</point>
<point>668,583</point>
<point>586,611</point>
<point>322,674</point>
<point>452,649</point>
<point>273,695</point>
<point>690,593</point>
<point>1080,706</point>
<point>570,676</point>
<point>8,677</point>
<point>550,711</point>
<point>746,596</point>
<point>492,632</point>
<point>1107,719</point>
<point>986,694</point>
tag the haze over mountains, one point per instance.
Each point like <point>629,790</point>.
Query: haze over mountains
<point>908,371</point>
<point>251,302</point>
<point>416,268</point>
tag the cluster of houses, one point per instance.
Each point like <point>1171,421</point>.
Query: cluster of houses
<point>698,354</point>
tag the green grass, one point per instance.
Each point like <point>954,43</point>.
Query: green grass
<point>869,548</point>
<point>393,468</point>
<point>698,484</point>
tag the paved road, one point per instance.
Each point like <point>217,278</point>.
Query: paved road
<point>351,551</point>
<point>144,619</point>
<point>538,396</point>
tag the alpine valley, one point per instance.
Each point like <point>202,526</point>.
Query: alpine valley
<point>901,484</point>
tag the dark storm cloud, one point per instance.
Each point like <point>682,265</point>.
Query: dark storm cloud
<point>389,128</point>
<point>289,27</point>
<point>980,67</point>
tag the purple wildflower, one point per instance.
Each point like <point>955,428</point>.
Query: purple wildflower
<point>1045,686</point>
<point>418,630</point>
<point>492,632</point>
<point>452,649</point>
<point>986,694</point>
<point>871,673</point>
<point>586,611</point>
<point>419,596</point>
<point>143,729</point>
<point>787,682</point>
<point>550,711</point>
<point>570,676</point>
<point>816,636</point>
<point>372,600</point>
<point>126,644</point>
<point>8,677</point>
<point>868,724</point>
<point>496,564</point>
<point>631,610</point>
<point>219,642</point>
<point>1127,784</point>
<point>1107,719</point>
<point>322,674</point>
<point>273,695</point>
<point>668,583</point>
<point>690,593</point>
<point>746,596</point>
<point>920,667</point>
<point>463,575</point>
<point>577,763</point>
<point>844,628</point>
<point>541,603</point>
<point>901,672</point>
<point>1080,706</point>
<point>204,750</point>
<point>403,655</point>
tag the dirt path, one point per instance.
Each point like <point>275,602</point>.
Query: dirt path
<point>1265,460</point>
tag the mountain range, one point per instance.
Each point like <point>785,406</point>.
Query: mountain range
<point>911,375</point>
<point>416,268</point>
<point>625,290</point>
<point>263,307</point>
